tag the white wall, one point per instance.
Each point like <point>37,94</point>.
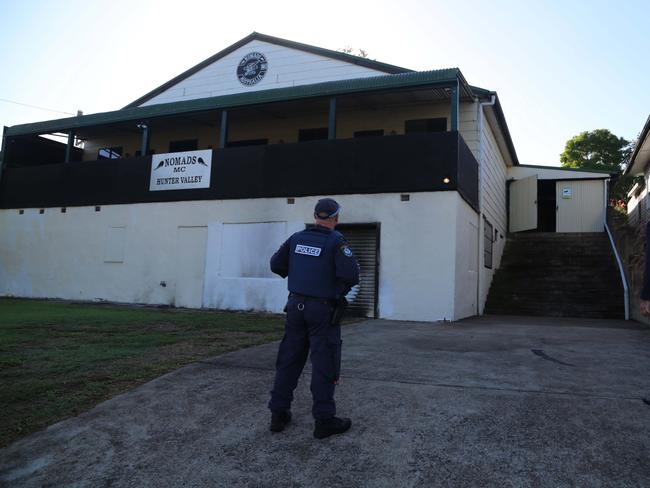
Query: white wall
<point>550,173</point>
<point>237,272</point>
<point>286,68</point>
<point>481,140</point>
<point>465,292</point>
<point>638,206</point>
<point>65,255</point>
<point>493,204</point>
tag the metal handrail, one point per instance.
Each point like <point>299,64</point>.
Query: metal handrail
<point>626,292</point>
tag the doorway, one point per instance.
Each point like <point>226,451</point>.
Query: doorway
<point>364,242</point>
<point>546,206</point>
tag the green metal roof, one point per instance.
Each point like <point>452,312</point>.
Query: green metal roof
<point>414,79</point>
<point>562,168</point>
<point>256,36</point>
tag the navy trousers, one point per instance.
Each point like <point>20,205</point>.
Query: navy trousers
<point>308,328</point>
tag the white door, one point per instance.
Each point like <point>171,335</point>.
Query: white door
<point>190,266</point>
<point>580,206</point>
<point>523,204</point>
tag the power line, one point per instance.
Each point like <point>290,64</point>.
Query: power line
<point>35,106</point>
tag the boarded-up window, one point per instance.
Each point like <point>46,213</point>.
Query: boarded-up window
<point>247,248</point>
<point>114,245</point>
<point>488,239</point>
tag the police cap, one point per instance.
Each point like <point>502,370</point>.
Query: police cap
<point>326,208</point>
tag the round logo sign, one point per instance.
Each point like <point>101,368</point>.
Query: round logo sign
<point>252,68</point>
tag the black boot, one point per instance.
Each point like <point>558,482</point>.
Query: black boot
<point>279,420</point>
<point>331,426</point>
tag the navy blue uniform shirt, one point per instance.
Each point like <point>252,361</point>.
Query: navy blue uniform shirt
<point>318,262</point>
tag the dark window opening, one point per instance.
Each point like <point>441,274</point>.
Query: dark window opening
<point>369,133</point>
<point>248,142</point>
<point>317,134</point>
<point>109,152</point>
<point>425,125</point>
<point>185,145</point>
<point>488,239</point>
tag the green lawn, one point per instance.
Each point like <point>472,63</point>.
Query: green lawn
<point>59,359</point>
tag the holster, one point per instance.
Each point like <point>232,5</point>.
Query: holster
<point>339,311</point>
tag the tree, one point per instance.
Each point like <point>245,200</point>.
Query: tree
<point>596,149</point>
<point>601,150</point>
<point>350,50</point>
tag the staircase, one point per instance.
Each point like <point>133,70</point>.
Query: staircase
<point>557,274</point>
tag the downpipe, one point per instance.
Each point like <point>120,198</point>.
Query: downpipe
<point>479,113</point>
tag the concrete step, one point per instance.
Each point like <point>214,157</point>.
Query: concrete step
<point>551,274</point>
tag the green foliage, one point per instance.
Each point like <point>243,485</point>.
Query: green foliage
<point>601,150</point>
<point>59,359</point>
<point>596,149</point>
<point>621,187</point>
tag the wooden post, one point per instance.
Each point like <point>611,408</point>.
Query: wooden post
<point>69,146</point>
<point>223,138</point>
<point>144,150</point>
<point>331,124</point>
<point>455,104</point>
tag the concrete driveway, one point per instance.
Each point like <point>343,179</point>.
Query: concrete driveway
<point>494,401</point>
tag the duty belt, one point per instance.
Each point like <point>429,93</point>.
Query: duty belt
<point>305,298</point>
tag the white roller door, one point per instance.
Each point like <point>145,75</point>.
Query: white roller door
<point>363,240</point>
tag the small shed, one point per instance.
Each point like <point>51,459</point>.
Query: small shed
<point>553,199</point>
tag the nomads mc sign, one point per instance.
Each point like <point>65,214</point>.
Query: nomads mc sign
<point>181,170</point>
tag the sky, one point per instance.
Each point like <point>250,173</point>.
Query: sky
<point>559,67</point>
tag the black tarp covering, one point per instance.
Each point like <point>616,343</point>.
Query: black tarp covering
<point>389,164</point>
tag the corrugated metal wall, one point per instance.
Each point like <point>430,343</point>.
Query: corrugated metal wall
<point>581,206</point>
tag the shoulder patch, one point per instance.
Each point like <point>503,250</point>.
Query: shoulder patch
<point>345,249</point>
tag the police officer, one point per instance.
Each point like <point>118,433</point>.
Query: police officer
<point>321,271</point>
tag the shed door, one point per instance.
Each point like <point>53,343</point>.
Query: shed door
<point>523,204</point>
<point>190,266</point>
<point>580,206</point>
<point>364,240</point>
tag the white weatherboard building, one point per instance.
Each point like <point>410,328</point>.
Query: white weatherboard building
<point>182,196</point>
<point>638,206</point>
